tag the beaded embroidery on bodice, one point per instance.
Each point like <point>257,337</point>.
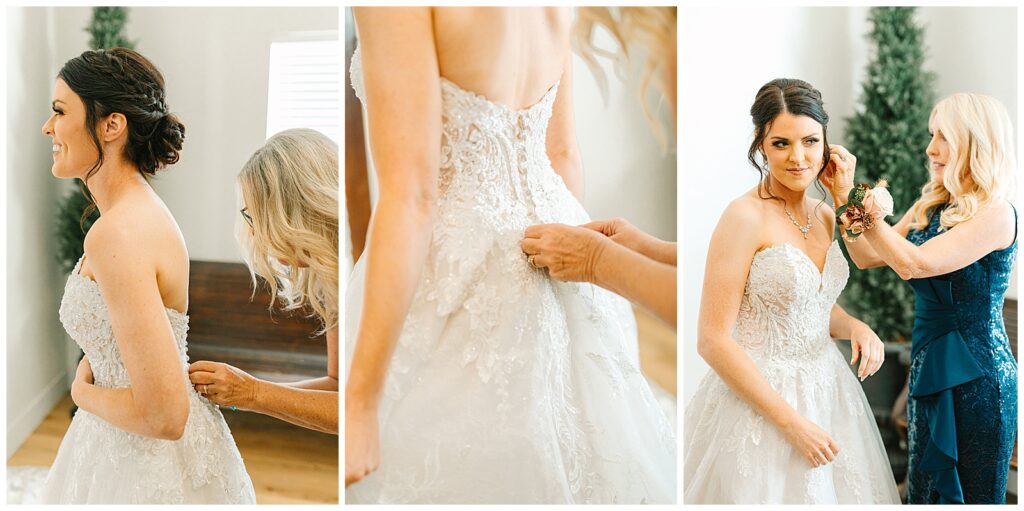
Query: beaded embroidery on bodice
<point>85,317</point>
<point>784,313</point>
<point>99,463</point>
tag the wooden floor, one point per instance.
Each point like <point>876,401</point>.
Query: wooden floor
<point>657,350</point>
<point>287,464</point>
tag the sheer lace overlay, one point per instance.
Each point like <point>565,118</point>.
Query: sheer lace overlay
<point>783,325</point>
<point>99,463</point>
<point>507,386</point>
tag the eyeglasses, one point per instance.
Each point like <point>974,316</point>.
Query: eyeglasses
<point>245,215</point>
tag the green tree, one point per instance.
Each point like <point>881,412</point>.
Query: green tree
<point>106,29</point>
<point>889,134</point>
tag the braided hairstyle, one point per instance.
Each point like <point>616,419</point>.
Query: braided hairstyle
<point>779,96</point>
<point>121,80</point>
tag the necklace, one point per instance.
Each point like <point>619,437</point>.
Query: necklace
<point>804,229</point>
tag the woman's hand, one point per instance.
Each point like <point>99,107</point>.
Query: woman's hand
<point>569,253</point>
<point>868,348</point>
<point>362,443</point>
<point>83,376</point>
<point>223,384</point>
<point>812,442</point>
<point>838,175</point>
<point>622,232</point>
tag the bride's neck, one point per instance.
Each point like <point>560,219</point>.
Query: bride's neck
<point>111,181</point>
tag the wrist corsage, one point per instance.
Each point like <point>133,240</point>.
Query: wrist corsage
<point>864,208</point>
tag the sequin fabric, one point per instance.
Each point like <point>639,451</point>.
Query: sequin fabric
<point>98,463</point>
<point>507,386</point>
<point>986,408</point>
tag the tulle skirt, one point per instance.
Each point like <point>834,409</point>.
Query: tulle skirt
<point>732,455</point>
<point>98,463</point>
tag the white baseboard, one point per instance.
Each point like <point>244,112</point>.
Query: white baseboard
<point>20,427</point>
<point>1011,482</point>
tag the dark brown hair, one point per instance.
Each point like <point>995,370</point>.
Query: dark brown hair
<point>778,96</point>
<point>123,81</point>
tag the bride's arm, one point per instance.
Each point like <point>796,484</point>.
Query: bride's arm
<point>562,148</point>
<point>156,403</point>
<point>864,343</point>
<point>403,103</point>
<point>733,245</point>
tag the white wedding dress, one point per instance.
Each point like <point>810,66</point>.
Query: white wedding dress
<point>507,386</point>
<point>732,455</point>
<point>97,463</point>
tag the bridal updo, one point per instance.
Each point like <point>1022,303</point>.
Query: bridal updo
<point>785,95</point>
<point>122,81</point>
<point>290,188</point>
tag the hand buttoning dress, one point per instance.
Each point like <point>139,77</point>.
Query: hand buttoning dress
<point>507,386</point>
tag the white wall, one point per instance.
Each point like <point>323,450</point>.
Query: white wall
<point>35,340</point>
<point>971,49</point>
<point>627,173</point>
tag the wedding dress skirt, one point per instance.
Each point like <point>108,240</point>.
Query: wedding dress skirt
<point>732,455</point>
<point>507,386</point>
<point>97,463</point>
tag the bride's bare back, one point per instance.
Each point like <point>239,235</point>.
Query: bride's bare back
<point>525,49</point>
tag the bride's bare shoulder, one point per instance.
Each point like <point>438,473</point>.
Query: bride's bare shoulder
<point>140,229</point>
<point>745,210</point>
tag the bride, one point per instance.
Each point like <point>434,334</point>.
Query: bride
<point>474,377</point>
<point>781,419</point>
<point>141,435</point>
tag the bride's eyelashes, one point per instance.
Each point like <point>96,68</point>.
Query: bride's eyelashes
<point>809,142</point>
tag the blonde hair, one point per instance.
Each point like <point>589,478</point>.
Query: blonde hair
<point>981,165</point>
<point>290,187</point>
<point>652,28</point>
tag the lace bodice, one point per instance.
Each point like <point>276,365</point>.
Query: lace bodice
<point>495,180</point>
<point>100,463</point>
<point>84,315</point>
<point>784,314</point>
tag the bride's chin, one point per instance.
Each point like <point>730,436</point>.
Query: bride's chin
<point>797,187</point>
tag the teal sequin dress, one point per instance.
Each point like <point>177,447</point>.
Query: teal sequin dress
<point>963,382</point>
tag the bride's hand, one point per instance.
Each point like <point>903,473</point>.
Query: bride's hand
<point>811,441</point>
<point>84,372</point>
<point>569,253</point>
<point>868,348</point>
<point>83,376</point>
<point>362,443</point>
<point>838,175</point>
<point>223,384</point>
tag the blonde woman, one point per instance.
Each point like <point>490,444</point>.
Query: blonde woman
<point>956,247</point>
<point>290,190</point>
<point>613,253</point>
